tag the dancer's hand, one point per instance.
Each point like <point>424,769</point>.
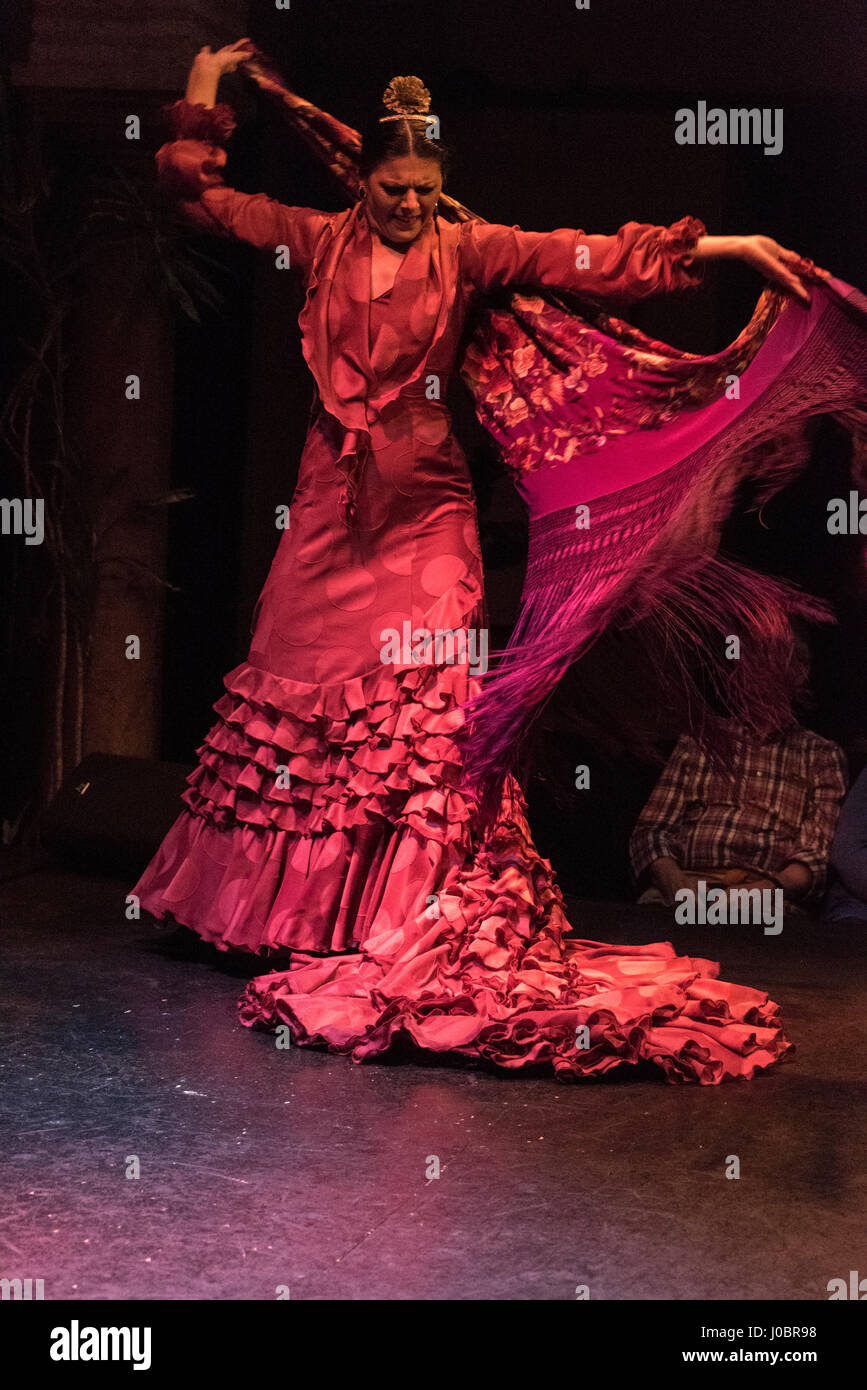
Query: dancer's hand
<point>225,59</point>
<point>777,264</point>
<point>209,66</point>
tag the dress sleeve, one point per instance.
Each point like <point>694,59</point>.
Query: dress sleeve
<point>190,173</point>
<point>638,260</point>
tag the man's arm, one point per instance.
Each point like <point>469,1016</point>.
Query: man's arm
<point>827,772</point>
<point>655,844</point>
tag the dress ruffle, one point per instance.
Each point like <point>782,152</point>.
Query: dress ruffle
<point>309,792</point>
<point>378,746</point>
<point>488,974</point>
<point>680,239</point>
<point>192,120</point>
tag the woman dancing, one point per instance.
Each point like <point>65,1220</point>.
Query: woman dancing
<point>332,812</point>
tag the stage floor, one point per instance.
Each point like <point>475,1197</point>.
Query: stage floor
<point>262,1169</point>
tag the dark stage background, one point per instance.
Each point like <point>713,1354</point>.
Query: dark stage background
<point>556,117</point>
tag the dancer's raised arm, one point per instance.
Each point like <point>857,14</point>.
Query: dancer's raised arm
<point>190,170</point>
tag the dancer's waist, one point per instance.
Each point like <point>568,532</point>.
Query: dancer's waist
<point>425,395</point>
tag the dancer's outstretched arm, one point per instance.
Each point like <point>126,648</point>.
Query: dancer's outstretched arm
<point>637,261</point>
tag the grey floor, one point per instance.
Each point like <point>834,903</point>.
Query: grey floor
<point>262,1168</point>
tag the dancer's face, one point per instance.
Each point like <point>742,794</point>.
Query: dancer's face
<point>402,195</point>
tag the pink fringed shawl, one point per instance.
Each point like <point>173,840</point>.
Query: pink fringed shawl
<point>629,454</point>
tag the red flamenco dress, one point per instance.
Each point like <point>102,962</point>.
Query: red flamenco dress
<point>331,811</point>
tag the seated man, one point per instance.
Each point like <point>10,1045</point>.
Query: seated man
<point>766,821</point>
<point>847,897</point>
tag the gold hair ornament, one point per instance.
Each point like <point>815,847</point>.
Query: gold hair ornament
<point>407,98</point>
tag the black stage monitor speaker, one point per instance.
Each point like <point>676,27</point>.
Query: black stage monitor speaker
<point>112,812</point>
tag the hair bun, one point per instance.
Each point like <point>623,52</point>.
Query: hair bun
<point>406,96</point>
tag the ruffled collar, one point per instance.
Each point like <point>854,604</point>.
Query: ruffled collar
<point>355,382</point>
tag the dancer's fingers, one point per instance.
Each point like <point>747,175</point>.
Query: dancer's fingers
<point>782,266</point>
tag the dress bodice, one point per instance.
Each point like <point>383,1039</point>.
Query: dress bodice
<point>378,314</point>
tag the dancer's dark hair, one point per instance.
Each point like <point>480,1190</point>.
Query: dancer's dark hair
<point>395,139</point>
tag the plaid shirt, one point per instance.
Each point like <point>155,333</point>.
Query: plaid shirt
<point>778,802</point>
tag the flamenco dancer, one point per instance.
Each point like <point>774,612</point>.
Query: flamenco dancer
<point>338,810</point>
